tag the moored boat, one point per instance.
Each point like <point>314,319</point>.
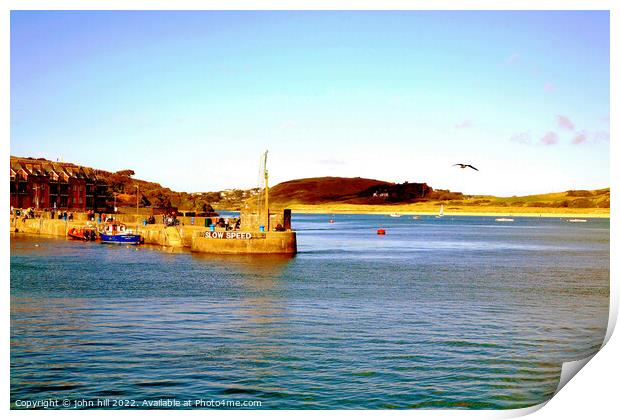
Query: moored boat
<point>82,233</point>
<point>440,215</point>
<point>117,233</point>
<point>576,220</point>
<point>504,219</point>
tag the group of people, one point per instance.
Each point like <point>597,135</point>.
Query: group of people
<point>27,214</point>
<point>64,215</point>
<point>170,219</point>
<point>226,223</point>
<point>30,213</point>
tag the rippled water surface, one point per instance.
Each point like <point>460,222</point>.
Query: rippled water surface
<point>452,312</point>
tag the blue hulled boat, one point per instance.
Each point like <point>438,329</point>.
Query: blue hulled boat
<point>117,233</point>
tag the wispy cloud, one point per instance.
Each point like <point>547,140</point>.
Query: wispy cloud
<point>565,122</point>
<point>549,87</point>
<point>583,137</point>
<point>601,136</point>
<point>522,138</point>
<point>512,59</point>
<point>549,139</point>
<point>463,124</point>
<point>580,138</point>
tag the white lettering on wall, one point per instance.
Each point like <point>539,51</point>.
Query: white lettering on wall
<point>228,235</point>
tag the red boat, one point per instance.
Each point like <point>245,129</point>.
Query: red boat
<point>83,234</point>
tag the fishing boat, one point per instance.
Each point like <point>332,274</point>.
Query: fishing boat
<point>117,233</point>
<point>394,215</point>
<point>504,219</point>
<point>82,233</point>
<point>576,220</point>
<point>440,215</point>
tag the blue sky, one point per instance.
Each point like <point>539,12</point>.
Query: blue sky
<point>190,99</point>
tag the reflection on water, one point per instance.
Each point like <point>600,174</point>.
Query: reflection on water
<point>253,265</point>
<point>439,313</point>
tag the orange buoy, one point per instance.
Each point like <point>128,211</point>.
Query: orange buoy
<point>380,231</point>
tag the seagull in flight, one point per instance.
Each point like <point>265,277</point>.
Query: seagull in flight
<point>464,166</point>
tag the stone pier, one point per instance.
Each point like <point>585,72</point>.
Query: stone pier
<point>195,238</point>
<point>232,242</point>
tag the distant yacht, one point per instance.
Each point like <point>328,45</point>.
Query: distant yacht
<point>576,220</point>
<point>394,215</point>
<point>504,219</point>
<point>440,212</point>
<point>415,217</point>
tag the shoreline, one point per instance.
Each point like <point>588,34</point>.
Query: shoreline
<point>480,211</point>
<point>194,238</point>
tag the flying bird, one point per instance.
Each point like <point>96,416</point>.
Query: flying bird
<point>464,166</point>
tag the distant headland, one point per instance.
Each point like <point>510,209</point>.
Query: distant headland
<point>317,195</point>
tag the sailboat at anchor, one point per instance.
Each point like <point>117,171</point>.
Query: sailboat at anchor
<point>440,215</point>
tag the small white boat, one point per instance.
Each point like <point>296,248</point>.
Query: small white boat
<point>440,212</point>
<point>394,215</point>
<point>504,219</point>
<point>576,220</point>
<point>415,217</point>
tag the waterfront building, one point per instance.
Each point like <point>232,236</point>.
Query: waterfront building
<point>43,184</point>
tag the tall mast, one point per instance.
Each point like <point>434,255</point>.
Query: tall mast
<point>266,191</point>
<point>137,211</point>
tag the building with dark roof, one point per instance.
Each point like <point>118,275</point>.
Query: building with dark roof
<point>42,184</point>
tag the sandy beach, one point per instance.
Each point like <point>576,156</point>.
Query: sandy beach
<point>425,209</point>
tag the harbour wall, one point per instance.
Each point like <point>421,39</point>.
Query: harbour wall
<point>256,243</point>
<point>191,237</point>
<point>131,218</point>
<point>41,226</point>
<point>177,236</point>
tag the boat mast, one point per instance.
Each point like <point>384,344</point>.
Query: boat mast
<point>137,211</point>
<point>266,191</point>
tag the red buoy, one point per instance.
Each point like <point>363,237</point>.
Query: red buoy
<point>380,231</point>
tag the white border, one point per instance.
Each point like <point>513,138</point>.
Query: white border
<point>309,5</point>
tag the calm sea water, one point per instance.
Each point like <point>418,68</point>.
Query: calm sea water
<point>453,312</point>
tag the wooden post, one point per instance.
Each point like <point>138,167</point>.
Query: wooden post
<point>287,219</point>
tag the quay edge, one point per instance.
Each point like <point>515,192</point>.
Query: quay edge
<point>257,243</point>
<point>187,236</point>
